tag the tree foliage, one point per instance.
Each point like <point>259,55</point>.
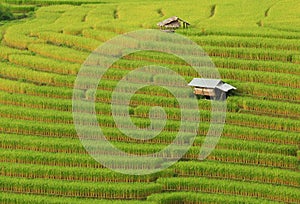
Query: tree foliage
<point>5,13</point>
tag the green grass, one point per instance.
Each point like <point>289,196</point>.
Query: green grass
<point>255,46</point>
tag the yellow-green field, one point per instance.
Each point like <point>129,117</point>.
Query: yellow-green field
<point>254,44</point>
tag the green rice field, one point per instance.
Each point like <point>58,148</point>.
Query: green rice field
<point>255,46</point>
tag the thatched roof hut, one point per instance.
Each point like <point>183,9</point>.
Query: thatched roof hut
<point>172,23</point>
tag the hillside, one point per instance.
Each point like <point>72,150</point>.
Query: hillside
<point>254,45</point>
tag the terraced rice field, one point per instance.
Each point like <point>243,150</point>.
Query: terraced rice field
<point>254,45</point>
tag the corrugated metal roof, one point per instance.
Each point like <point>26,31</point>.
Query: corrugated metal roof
<point>207,83</point>
<point>211,84</point>
<point>225,87</point>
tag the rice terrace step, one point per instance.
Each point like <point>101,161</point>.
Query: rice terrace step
<point>230,133</point>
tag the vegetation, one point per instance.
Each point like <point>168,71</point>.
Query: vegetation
<point>5,13</point>
<point>254,45</point>
<point>201,197</point>
<point>283,194</point>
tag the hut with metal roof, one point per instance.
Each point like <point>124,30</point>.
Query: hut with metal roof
<point>172,23</point>
<point>210,87</point>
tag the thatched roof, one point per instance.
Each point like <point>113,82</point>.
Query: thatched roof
<point>172,22</point>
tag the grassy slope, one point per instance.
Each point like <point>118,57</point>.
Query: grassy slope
<point>277,20</point>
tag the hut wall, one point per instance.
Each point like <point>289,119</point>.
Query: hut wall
<point>204,91</point>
